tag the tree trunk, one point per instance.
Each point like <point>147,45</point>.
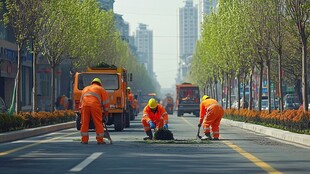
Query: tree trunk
<point>280,79</point>
<point>238,90</point>
<point>260,92</point>
<point>34,81</point>
<point>304,72</point>
<point>250,89</point>
<point>268,87</point>
<point>18,79</point>
<point>52,86</point>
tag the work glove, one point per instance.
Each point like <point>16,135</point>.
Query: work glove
<point>152,125</point>
<point>165,126</point>
<point>199,124</point>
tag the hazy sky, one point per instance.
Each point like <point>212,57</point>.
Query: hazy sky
<point>161,16</point>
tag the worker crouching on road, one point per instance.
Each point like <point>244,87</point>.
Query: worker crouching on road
<point>93,99</point>
<point>211,114</point>
<point>154,116</point>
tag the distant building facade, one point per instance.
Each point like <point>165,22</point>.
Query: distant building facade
<point>144,44</point>
<point>205,8</point>
<point>106,4</point>
<point>188,36</point>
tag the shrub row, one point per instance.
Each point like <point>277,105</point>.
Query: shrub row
<point>290,120</point>
<point>31,120</point>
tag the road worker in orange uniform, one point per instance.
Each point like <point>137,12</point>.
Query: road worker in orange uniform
<point>211,114</point>
<point>93,99</point>
<point>135,105</point>
<point>154,116</point>
<point>130,95</point>
<point>64,102</point>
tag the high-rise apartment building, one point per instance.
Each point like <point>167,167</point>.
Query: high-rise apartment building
<point>144,44</point>
<point>106,4</point>
<point>188,35</point>
<point>205,8</point>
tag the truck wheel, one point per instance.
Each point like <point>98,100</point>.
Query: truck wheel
<point>132,116</point>
<point>78,121</point>
<point>118,122</point>
<point>180,113</point>
<point>127,120</point>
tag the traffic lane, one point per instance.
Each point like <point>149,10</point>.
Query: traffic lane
<point>127,154</point>
<point>132,136</point>
<point>281,156</point>
<point>65,154</point>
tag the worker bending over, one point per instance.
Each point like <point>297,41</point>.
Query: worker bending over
<point>93,98</point>
<point>154,116</point>
<point>211,114</point>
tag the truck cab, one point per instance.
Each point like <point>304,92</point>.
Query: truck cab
<point>114,81</point>
<point>187,99</point>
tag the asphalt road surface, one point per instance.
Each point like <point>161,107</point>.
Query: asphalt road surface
<point>238,151</point>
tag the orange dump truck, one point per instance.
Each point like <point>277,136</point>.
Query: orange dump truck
<point>114,81</point>
<point>187,99</point>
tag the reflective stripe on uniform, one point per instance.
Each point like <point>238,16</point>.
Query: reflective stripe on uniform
<point>214,104</point>
<point>216,132</point>
<point>84,133</point>
<point>146,127</point>
<point>207,128</point>
<point>105,102</point>
<point>145,115</point>
<point>162,115</point>
<point>100,135</point>
<point>91,94</point>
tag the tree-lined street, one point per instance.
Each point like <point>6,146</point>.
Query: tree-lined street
<point>238,151</point>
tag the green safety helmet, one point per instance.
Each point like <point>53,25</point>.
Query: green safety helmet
<point>97,80</point>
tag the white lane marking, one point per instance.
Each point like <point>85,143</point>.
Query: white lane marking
<point>87,161</point>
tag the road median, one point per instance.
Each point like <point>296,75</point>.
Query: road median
<point>25,133</point>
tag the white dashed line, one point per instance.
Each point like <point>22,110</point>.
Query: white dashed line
<point>84,163</point>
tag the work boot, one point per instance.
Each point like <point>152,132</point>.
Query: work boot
<point>149,135</point>
<point>207,136</point>
<point>84,142</point>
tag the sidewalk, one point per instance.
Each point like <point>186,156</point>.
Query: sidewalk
<point>301,139</point>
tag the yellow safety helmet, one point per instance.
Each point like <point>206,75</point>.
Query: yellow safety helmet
<point>97,80</point>
<point>152,103</point>
<point>128,88</point>
<point>204,97</point>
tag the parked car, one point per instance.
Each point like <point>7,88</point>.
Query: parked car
<point>291,101</point>
<point>3,107</point>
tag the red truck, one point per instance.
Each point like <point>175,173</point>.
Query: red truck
<point>187,99</point>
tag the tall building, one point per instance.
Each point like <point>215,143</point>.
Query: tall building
<point>106,4</point>
<point>188,36</point>
<point>144,44</point>
<point>205,8</point>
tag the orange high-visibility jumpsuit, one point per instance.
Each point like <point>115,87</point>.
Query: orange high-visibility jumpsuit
<point>130,98</point>
<point>93,98</point>
<point>64,102</point>
<point>159,118</point>
<point>211,114</point>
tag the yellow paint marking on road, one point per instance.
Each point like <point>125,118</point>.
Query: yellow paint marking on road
<point>34,144</point>
<point>252,158</point>
<point>247,155</point>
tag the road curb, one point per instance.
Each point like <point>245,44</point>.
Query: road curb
<point>25,133</point>
<point>276,133</point>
